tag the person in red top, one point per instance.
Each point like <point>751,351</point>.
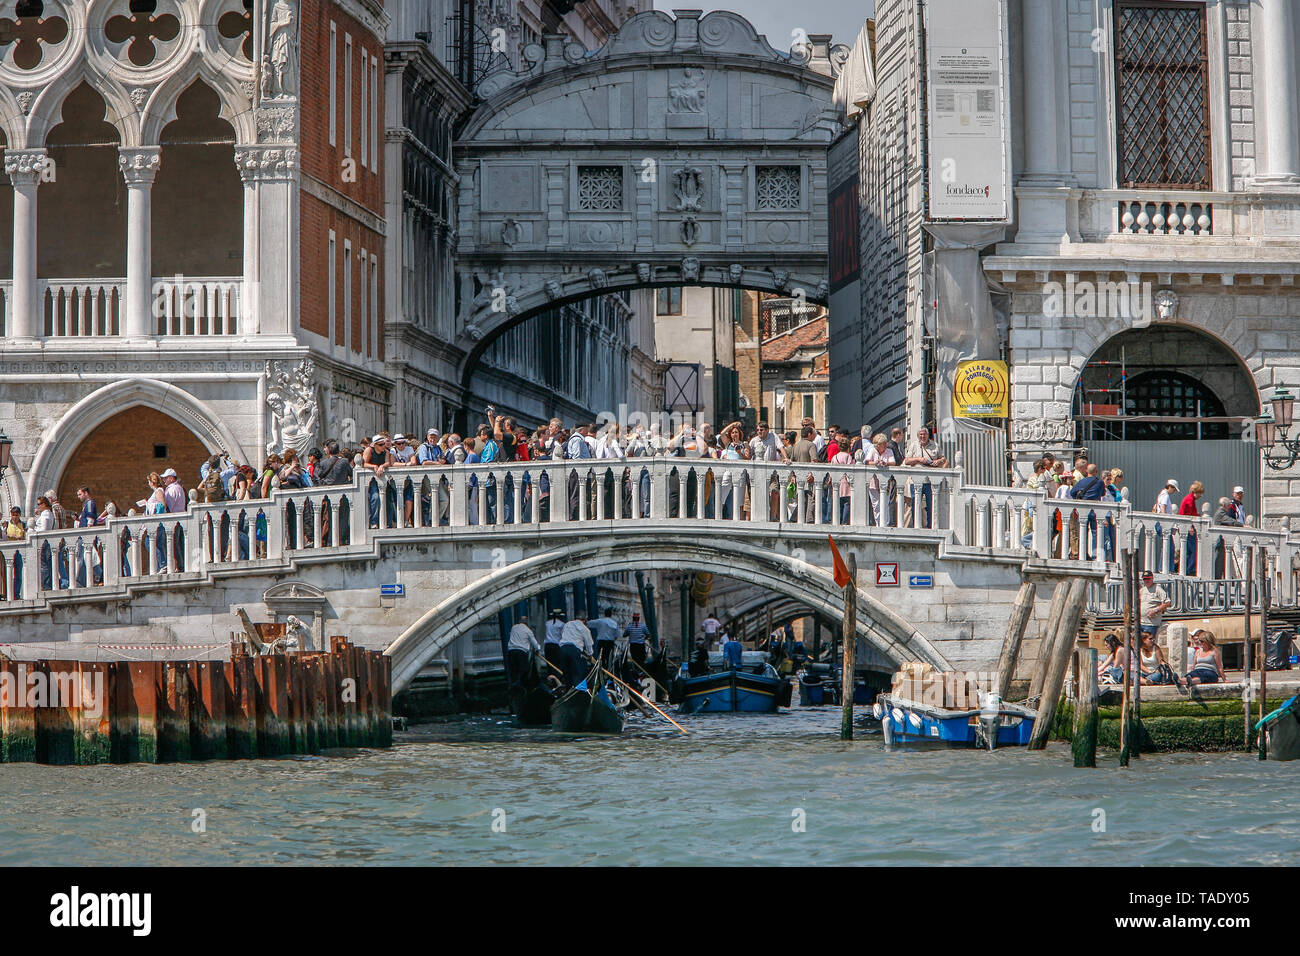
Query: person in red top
<point>1188,507</point>
<point>833,445</point>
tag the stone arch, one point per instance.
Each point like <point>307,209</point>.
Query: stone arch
<point>538,300</point>
<point>160,108</point>
<point>103,403</point>
<point>458,614</point>
<point>12,121</point>
<point>47,109</point>
<point>1096,345</point>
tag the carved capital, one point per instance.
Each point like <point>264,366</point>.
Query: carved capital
<point>139,164</point>
<point>25,166</point>
<point>263,163</point>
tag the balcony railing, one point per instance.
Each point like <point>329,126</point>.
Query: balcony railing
<point>96,308</point>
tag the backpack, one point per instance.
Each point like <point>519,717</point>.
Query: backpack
<point>211,487</point>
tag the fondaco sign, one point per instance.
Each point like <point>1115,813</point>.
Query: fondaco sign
<point>967,111</point>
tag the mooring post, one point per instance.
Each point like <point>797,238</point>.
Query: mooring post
<point>1263,649</point>
<point>1130,625</point>
<point>1059,653</point>
<point>1016,624</point>
<point>1083,747</point>
<point>850,642</point>
<point>1054,612</point>
<point>1245,687</point>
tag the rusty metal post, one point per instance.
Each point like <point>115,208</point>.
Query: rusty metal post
<point>56,727</point>
<point>17,724</point>
<point>93,740</point>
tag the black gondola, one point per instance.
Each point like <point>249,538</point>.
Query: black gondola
<point>578,710</point>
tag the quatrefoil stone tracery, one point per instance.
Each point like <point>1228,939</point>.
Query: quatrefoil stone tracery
<point>31,32</point>
<point>139,31</point>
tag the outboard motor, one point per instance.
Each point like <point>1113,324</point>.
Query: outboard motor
<point>990,720</point>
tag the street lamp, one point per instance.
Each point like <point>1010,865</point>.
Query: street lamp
<point>6,444</point>
<point>1272,428</point>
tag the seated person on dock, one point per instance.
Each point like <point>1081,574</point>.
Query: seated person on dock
<point>733,652</point>
<point>1151,659</point>
<point>1206,659</point>
<point>1110,670</point>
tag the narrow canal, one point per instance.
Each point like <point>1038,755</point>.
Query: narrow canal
<point>773,789</point>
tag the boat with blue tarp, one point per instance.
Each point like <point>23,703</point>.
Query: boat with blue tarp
<point>752,687</point>
<point>991,725</point>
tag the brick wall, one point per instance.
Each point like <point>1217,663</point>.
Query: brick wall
<point>340,169</point>
<point>115,459</point>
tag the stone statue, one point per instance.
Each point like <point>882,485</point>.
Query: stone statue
<point>1166,302</point>
<point>688,186</point>
<point>294,410</point>
<point>688,95</point>
<point>284,48</point>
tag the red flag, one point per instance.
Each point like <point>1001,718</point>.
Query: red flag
<point>842,577</point>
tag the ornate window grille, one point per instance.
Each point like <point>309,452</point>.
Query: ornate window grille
<point>1161,79</point>
<point>1167,393</point>
<point>777,187</point>
<point>600,188</point>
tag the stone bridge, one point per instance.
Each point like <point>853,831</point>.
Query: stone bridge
<point>478,538</point>
<point>685,151</point>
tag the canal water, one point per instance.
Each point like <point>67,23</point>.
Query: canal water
<point>770,789</point>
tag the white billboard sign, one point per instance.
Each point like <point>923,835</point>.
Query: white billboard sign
<point>967,112</point>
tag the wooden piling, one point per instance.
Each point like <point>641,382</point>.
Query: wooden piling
<point>133,726</point>
<point>1263,653</point>
<point>241,721</point>
<point>174,713</point>
<point>209,713</point>
<point>1131,611</point>
<point>850,641</point>
<point>1054,612</point>
<point>1021,611</point>
<point>1061,649</point>
<point>93,740</point>
<point>1245,647</point>
<point>1084,745</point>
<point>273,727</point>
<point>17,723</point>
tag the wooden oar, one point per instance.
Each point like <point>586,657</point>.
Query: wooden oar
<point>649,675</point>
<point>639,696</point>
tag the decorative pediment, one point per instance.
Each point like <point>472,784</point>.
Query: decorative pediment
<point>289,591</point>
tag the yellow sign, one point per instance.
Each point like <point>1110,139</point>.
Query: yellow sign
<point>981,389</point>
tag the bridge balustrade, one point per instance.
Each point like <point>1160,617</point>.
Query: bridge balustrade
<point>324,522</point>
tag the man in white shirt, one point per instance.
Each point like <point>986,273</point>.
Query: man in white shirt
<point>1167,501</point>
<point>551,643</point>
<point>766,445</point>
<point>517,648</point>
<point>711,626</point>
<point>923,452</point>
<point>606,633</point>
<point>575,644</point>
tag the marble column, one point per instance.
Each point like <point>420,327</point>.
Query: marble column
<point>1042,109</point>
<point>139,166</point>
<point>1276,36</point>
<point>25,168</point>
<point>269,301</point>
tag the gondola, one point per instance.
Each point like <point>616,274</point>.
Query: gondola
<point>578,710</point>
<point>532,705</point>
<point>756,689</point>
<point>1283,731</point>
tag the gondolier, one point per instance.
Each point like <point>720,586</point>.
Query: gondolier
<point>636,634</point>
<point>605,631</point>
<point>521,642</point>
<point>575,643</point>
<point>551,645</point>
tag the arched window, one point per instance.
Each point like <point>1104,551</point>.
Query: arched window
<point>1167,393</point>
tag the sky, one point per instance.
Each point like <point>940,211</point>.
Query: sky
<point>779,18</point>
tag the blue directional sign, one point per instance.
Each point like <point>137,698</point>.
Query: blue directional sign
<point>392,590</point>
<point>920,580</point>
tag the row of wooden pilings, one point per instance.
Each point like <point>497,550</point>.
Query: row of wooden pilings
<point>80,712</point>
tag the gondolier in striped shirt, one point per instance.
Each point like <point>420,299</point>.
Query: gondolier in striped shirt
<point>575,644</point>
<point>636,634</point>
<point>521,642</point>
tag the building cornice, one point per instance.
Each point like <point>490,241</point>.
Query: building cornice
<point>349,207</point>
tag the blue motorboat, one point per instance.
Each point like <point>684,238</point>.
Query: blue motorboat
<point>996,724</point>
<point>755,687</point>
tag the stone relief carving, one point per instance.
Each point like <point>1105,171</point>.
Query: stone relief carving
<point>553,289</point>
<point>1166,303</point>
<point>291,398</point>
<point>276,123</point>
<point>780,279</point>
<point>510,232</point>
<point>691,269</point>
<point>597,278</point>
<point>643,272</point>
<point>25,101</point>
<point>1042,430</point>
<point>687,96</point>
<point>690,229</point>
<point>735,270</point>
<point>688,189</point>
<point>256,162</point>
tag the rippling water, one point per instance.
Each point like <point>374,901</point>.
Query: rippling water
<point>725,793</point>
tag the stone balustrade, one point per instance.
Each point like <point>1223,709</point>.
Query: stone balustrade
<point>733,499</point>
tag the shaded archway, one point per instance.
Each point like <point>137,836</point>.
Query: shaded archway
<point>61,442</point>
<point>114,458</point>
<point>424,640</point>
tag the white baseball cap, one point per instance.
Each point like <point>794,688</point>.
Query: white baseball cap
<point>1174,482</point>
<point>169,473</point>
<point>1237,489</point>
